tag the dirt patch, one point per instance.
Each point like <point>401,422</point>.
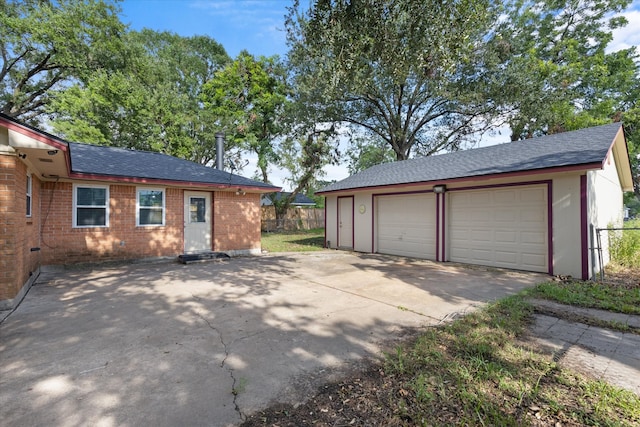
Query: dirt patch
<point>620,276</point>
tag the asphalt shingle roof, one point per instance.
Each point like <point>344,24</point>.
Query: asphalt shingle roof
<point>299,200</point>
<point>581,147</point>
<point>120,162</point>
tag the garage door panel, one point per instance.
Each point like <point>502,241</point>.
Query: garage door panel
<point>480,255</point>
<point>504,227</point>
<point>533,195</point>
<point>506,257</point>
<point>506,216</point>
<point>506,236</point>
<point>477,198</point>
<point>406,225</point>
<point>532,260</point>
<point>505,196</point>
<point>481,236</point>
<point>535,215</point>
<point>533,237</point>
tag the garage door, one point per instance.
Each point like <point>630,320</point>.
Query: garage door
<point>503,227</point>
<point>406,225</point>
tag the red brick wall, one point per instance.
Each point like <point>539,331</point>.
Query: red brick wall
<point>18,233</point>
<point>236,226</point>
<point>236,221</point>
<point>64,244</point>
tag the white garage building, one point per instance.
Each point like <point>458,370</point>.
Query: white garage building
<point>529,205</point>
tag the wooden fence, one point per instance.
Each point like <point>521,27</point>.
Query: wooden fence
<point>297,218</point>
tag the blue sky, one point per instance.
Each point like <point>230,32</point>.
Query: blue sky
<point>258,26</point>
<point>254,25</point>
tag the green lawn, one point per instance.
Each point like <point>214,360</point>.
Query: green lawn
<point>293,241</point>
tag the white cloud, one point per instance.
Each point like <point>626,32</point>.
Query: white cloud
<point>244,13</point>
<point>629,35</point>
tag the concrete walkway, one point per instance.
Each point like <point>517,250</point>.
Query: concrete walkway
<point>598,352</point>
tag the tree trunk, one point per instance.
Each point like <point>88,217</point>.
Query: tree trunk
<point>281,215</point>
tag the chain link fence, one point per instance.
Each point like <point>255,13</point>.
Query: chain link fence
<point>618,244</point>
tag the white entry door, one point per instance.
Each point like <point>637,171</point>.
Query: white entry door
<point>197,221</point>
<point>345,223</point>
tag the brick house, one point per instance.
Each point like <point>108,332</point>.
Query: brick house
<point>65,203</point>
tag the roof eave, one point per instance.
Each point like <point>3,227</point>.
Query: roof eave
<point>620,152</point>
<point>174,183</point>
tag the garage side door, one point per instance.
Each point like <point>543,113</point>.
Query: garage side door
<point>406,225</point>
<point>503,227</point>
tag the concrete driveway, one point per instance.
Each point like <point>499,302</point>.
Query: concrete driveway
<point>166,344</point>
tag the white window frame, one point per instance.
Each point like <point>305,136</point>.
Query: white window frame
<point>138,207</point>
<point>29,195</point>
<point>75,205</point>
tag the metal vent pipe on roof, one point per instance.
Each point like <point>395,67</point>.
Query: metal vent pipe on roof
<point>220,151</point>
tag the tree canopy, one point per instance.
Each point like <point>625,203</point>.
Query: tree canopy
<point>249,98</point>
<point>48,45</point>
<point>151,103</point>
<point>407,77</point>
<point>424,76</point>
<point>409,72</point>
<point>555,71</point>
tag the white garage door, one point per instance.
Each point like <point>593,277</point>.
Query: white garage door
<point>407,225</point>
<point>503,227</point>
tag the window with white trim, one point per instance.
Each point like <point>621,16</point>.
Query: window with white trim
<point>29,193</point>
<point>90,205</point>
<point>150,207</point>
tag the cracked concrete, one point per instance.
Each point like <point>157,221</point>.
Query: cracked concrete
<point>206,344</point>
<point>234,390</point>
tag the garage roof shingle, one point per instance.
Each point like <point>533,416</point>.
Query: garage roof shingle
<point>581,147</point>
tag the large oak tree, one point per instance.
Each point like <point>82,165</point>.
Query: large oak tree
<point>408,71</point>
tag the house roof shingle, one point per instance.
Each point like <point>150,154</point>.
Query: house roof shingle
<point>581,147</point>
<point>97,161</point>
<point>119,162</point>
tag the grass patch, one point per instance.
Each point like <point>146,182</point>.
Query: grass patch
<point>474,371</point>
<point>491,379</point>
<point>293,241</point>
<point>620,299</point>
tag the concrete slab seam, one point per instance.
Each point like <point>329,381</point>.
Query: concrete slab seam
<point>364,297</point>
